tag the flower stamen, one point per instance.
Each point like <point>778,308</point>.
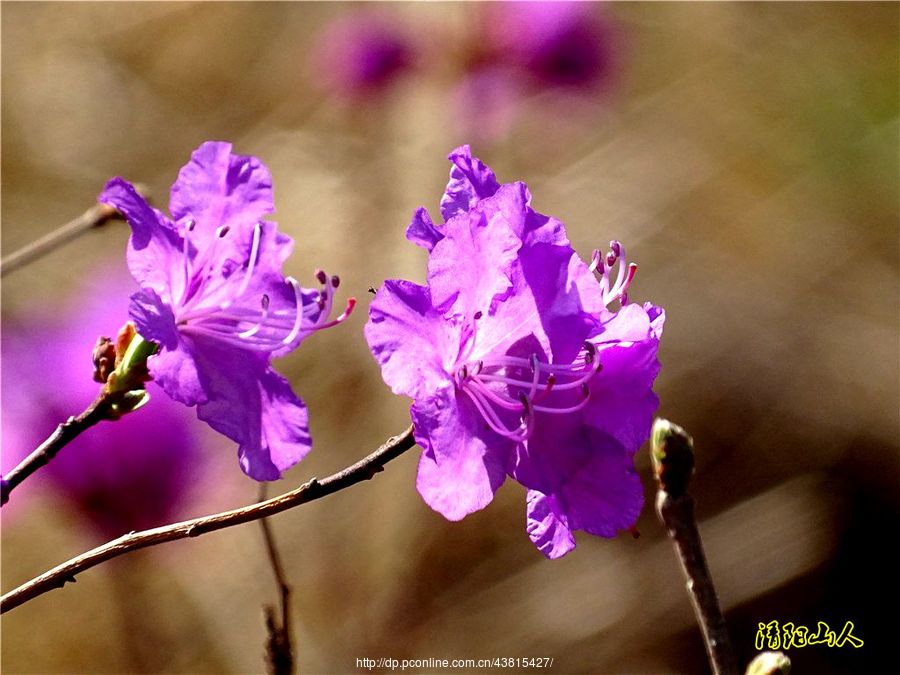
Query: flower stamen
<point>501,385</point>
<point>603,265</point>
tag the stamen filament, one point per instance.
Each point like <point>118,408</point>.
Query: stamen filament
<point>251,265</point>
<point>490,418</point>
<point>265,314</point>
<point>299,317</point>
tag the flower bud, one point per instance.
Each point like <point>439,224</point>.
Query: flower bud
<point>672,453</point>
<point>104,358</point>
<point>130,374</point>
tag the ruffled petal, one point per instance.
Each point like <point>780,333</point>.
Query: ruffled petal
<point>421,231</point>
<point>603,497</point>
<point>547,525</point>
<point>542,301</point>
<point>409,339</point>
<point>154,249</point>
<point>218,188</point>
<point>463,464</point>
<point>473,263</point>
<point>255,407</point>
<point>470,181</point>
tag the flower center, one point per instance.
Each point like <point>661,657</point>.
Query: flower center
<point>604,265</point>
<point>216,305</point>
<point>511,388</point>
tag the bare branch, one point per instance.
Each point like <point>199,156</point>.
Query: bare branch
<point>313,489</point>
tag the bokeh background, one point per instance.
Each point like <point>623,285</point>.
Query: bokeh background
<point>746,153</point>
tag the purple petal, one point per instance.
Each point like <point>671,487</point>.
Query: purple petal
<point>547,525</point>
<point>173,368</point>
<point>557,448</point>
<point>622,402</point>
<point>629,324</point>
<point>463,465</point>
<point>472,264</point>
<point>409,338</point>
<point>217,188</point>
<point>422,231</point>
<point>470,181</point>
<point>657,316</point>
<point>602,498</point>
<point>255,407</point>
<point>542,301</point>
<point>154,249</point>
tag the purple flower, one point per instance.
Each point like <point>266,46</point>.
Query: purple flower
<point>361,54</point>
<point>516,366</point>
<point>132,474</point>
<point>559,44</point>
<point>214,299</point>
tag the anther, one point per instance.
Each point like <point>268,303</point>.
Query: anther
<point>335,281</point>
<point>526,404</point>
<point>591,350</point>
<point>477,315</point>
<point>222,230</point>
<point>189,225</point>
<point>321,276</point>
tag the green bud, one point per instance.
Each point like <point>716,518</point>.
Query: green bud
<point>769,663</point>
<point>131,367</point>
<point>672,454</point>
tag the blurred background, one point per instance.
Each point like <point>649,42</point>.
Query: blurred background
<point>745,153</point>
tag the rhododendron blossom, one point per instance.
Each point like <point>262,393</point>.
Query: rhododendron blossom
<point>516,365</point>
<point>214,299</point>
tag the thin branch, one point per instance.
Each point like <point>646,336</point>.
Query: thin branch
<point>364,469</point>
<point>95,216</point>
<point>672,451</point>
<point>279,645</point>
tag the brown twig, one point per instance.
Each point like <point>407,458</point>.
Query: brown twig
<point>311,490</point>
<point>95,216</point>
<point>279,642</point>
<point>672,452</point>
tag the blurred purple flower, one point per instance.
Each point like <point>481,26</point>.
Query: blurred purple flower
<point>502,353</point>
<point>132,474</point>
<point>559,44</point>
<point>214,299</point>
<point>361,54</point>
